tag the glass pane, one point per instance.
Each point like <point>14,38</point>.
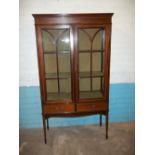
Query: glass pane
<point>50,63</point>
<point>48,41</point>
<point>65,86</point>
<point>85,88</point>
<point>84,62</point>
<point>85,84</point>
<point>56,40</point>
<point>52,86</point>
<point>96,62</point>
<point>64,63</point>
<point>64,41</point>
<point>56,49</point>
<point>96,84</point>
<point>84,41</point>
<point>91,53</point>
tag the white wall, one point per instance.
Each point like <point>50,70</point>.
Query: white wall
<point>122,48</point>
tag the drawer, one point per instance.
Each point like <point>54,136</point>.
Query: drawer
<point>81,107</point>
<point>58,108</point>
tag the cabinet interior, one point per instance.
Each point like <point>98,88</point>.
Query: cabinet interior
<point>57,59</point>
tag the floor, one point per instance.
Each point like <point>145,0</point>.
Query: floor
<point>79,140</point>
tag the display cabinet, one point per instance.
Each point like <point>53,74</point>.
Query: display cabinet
<point>74,64</point>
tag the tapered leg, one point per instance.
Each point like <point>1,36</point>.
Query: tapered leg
<point>47,124</point>
<point>44,127</point>
<point>107,122</point>
<point>100,119</point>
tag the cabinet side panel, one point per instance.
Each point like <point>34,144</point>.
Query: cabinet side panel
<point>107,60</point>
<point>40,63</point>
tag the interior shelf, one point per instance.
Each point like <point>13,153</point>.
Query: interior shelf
<point>64,75</point>
<point>59,52</point>
<point>89,94</point>
<point>58,96</point>
<point>68,52</point>
<point>88,74</point>
<point>83,95</point>
<point>89,51</point>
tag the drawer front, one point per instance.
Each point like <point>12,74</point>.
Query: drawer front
<point>91,107</point>
<point>58,108</point>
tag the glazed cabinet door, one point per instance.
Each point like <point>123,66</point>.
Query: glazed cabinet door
<point>56,51</point>
<point>91,61</point>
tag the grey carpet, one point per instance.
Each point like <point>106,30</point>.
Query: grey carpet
<point>79,140</point>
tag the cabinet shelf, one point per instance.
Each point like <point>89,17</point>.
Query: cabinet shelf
<point>64,75</point>
<point>91,94</point>
<point>88,74</point>
<point>89,51</point>
<point>54,52</point>
<point>83,95</point>
<point>68,52</point>
<point>58,96</point>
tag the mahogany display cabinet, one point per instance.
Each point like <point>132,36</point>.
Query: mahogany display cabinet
<point>74,65</point>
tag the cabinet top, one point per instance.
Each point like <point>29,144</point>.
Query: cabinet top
<point>83,18</point>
